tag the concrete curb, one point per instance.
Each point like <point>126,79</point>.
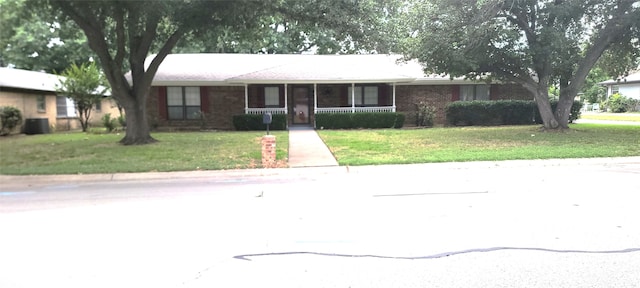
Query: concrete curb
<point>292,173</point>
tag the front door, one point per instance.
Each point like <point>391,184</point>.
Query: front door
<point>301,105</point>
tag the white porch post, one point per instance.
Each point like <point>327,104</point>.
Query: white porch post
<point>353,97</point>
<point>246,98</point>
<point>315,98</point>
<point>393,109</point>
<point>285,99</point>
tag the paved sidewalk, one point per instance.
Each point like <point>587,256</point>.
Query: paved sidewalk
<point>306,149</point>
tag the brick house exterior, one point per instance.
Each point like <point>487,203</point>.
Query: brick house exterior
<point>34,94</point>
<point>220,86</point>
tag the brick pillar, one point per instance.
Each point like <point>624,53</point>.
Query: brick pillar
<point>269,151</point>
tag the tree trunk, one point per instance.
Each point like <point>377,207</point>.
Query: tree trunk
<point>563,111</point>
<point>138,132</point>
<point>541,95</point>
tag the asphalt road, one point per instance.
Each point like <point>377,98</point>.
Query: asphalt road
<point>552,223</point>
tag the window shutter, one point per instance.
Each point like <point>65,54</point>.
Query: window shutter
<point>204,99</point>
<point>455,93</point>
<point>344,95</point>
<point>281,95</point>
<point>383,95</point>
<point>494,92</point>
<point>261,96</point>
<point>162,102</point>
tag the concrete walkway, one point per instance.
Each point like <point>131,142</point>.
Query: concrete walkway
<point>306,149</point>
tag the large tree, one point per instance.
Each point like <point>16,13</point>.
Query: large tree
<point>124,33</point>
<point>535,43</point>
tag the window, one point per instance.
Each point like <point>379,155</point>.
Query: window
<point>474,92</point>
<point>61,106</point>
<point>364,95</point>
<point>271,97</point>
<point>98,105</point>
<point>41,104</point>
<point>615,89</point>
<point>183,103</point>
<point>65,107</point>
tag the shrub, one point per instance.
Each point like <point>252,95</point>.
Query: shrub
<point>108,122</point>
<point>424,114</point>
<point>618,103</point>
<point>248,122</point>
<point>122,120</point>
<point>10,117</point>
<point>360,120</point>
<point>501,112</point>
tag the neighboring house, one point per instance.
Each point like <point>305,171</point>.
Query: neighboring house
<point>34,94</point>
<point>627,86</point>
<point>301,86</point>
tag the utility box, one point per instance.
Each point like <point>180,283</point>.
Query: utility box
<point>36,126</point>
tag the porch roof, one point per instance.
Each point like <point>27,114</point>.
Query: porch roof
<point>240,69</point>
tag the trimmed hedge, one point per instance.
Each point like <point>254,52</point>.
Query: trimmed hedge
<point>360,120</point>
<point>501,112</point>
<point>248,122</point>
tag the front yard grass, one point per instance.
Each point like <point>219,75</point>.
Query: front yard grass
<point>634,117</point>
<point>77,153</point>
<point>365,147</point>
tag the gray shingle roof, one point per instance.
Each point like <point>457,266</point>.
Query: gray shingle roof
<point>221,69</point>
<point>29,80</point>
<point>631,78</point>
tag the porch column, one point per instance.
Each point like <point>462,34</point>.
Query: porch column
<point>286,110</point>
<point>353,97</point>
<point>393,109</point>
<point>246,98</point>
<point>315,98</point>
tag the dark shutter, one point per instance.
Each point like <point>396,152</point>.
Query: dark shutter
<point>383,95</point>
<point>455,93</point>
<point>261,96</point>
<point>281,90</point>
<point>162,102</point>
<point>344,91</point>
<point>204,99</point>
<point>494,92</point>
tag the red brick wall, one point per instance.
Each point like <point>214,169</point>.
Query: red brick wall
<point>437,96</point>
<point>222,103</point>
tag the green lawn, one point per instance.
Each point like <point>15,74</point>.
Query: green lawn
<point>635,117</point>
<point>364,147</point>
<point>72,153</point>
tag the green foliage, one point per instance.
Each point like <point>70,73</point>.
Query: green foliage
<point>618,103</point>
<point>251,122</point>
<point>424,114</point>
<point>39,41</point>
<point>502,112</point>
<point>360,120</point>
<point>592,92</point>
<point>487,113</point>
<point>84,85</point>
<point>536,44</point>
<point>108,122</point>
<point>10,117</point>
<point>122,120</point>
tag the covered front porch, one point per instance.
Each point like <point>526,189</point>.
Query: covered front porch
<point>302,101</point>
